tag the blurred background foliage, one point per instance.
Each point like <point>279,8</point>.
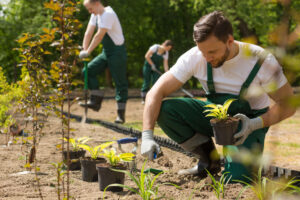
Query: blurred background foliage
<point>273,24</point>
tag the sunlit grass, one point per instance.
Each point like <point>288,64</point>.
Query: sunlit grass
<point>138,125</point>
<point>291,121</point>
<point>288,144</point>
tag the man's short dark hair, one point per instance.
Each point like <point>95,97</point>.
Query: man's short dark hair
<point>214,23</point>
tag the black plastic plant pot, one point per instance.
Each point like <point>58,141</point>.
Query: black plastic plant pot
<point>224,130</point>
<point>74,158</point>
<point>88,168</point>
<point>106,176</point>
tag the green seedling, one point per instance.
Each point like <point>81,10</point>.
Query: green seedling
<point>264,188</point>
<point>146,187</point>
<point>75,142</point>
<point>114,159</point>
<point>219,185</point>
<point>59,167</point>
<point>219,111</point>
<point>95,151</point>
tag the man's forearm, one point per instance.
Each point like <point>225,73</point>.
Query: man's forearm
<point>277,113</point>
<point>149,61</point>
<point>86,41</point>
<point>151,110</point>
<point>164,86</point>
<point>95,42</point>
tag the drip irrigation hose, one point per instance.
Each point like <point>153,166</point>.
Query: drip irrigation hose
<point>277,172</point>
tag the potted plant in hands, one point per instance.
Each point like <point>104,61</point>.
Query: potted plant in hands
<point>76,153</point>
<point>106,176</point>
<point>224,126</point>
<point>88,164</point>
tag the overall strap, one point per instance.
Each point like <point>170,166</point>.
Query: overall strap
<point>251,76</point>
<point>210,81</point>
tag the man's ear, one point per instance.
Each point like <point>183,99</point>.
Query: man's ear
<point>230,40</point>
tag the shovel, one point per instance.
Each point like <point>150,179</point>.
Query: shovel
<point>85,91</point>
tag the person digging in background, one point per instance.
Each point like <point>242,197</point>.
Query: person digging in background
<point>155,57</point>
<point>226,68</point>
<point>113,55</point>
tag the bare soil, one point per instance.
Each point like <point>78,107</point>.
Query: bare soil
<point>282,142</point>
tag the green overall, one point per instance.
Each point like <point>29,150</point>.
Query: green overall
<point>149,74</point>
<point>181,119</point>
<point>114,57</point>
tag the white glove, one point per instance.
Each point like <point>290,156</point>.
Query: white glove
<point>83,54</point>
<point>248,126</point>
<point>149,146</point>
<point>153,67</point>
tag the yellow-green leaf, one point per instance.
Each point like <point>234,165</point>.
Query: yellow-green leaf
<point>86,147</point>
<point>211,106</point>
<point>27,165</point>
<point>23,39</point>
<point>127,157</point>
<point>46,30</point>
<point>227,104</point>
<point>211,115</point>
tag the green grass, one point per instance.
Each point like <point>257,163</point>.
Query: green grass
<point>145,184</point>
<point>291,121</point>
<point>138,125</point>
<point>264,188</point>
<point>288,144</point>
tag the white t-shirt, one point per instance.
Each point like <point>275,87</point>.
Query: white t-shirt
<point>154,49</point>
<point>110,21</point>
<point>233,73</point>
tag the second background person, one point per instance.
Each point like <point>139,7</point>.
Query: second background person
<point>155,57</point>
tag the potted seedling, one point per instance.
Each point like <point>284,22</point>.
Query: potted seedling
<point>224,126</point>
<point>88,164</point>
<point>76,152</point>
<point>106,176</point>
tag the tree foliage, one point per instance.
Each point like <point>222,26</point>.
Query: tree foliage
<point>152,21</point>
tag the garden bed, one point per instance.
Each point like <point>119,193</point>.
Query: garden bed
<point>281,141</point>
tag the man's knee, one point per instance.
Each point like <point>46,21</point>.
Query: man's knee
<point>166,110</point>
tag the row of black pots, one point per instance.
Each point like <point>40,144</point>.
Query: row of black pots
<point>96,170</point>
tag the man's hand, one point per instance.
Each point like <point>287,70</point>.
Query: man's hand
<point>248,126</point>
<point>149,146</point>
<point>153,67</point>
<point>83,54</point>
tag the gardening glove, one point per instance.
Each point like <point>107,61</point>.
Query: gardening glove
<point>149,146</point>
<point>153,67</point>
<point>248,126</point>
<point>83,54</point>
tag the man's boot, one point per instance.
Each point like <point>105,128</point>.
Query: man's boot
<point>121,113</point>
<point>95,100</point>
<point>207,154</point>
<point>143,95</point>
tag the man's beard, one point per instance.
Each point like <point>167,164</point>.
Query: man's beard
<point>222,60</point>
